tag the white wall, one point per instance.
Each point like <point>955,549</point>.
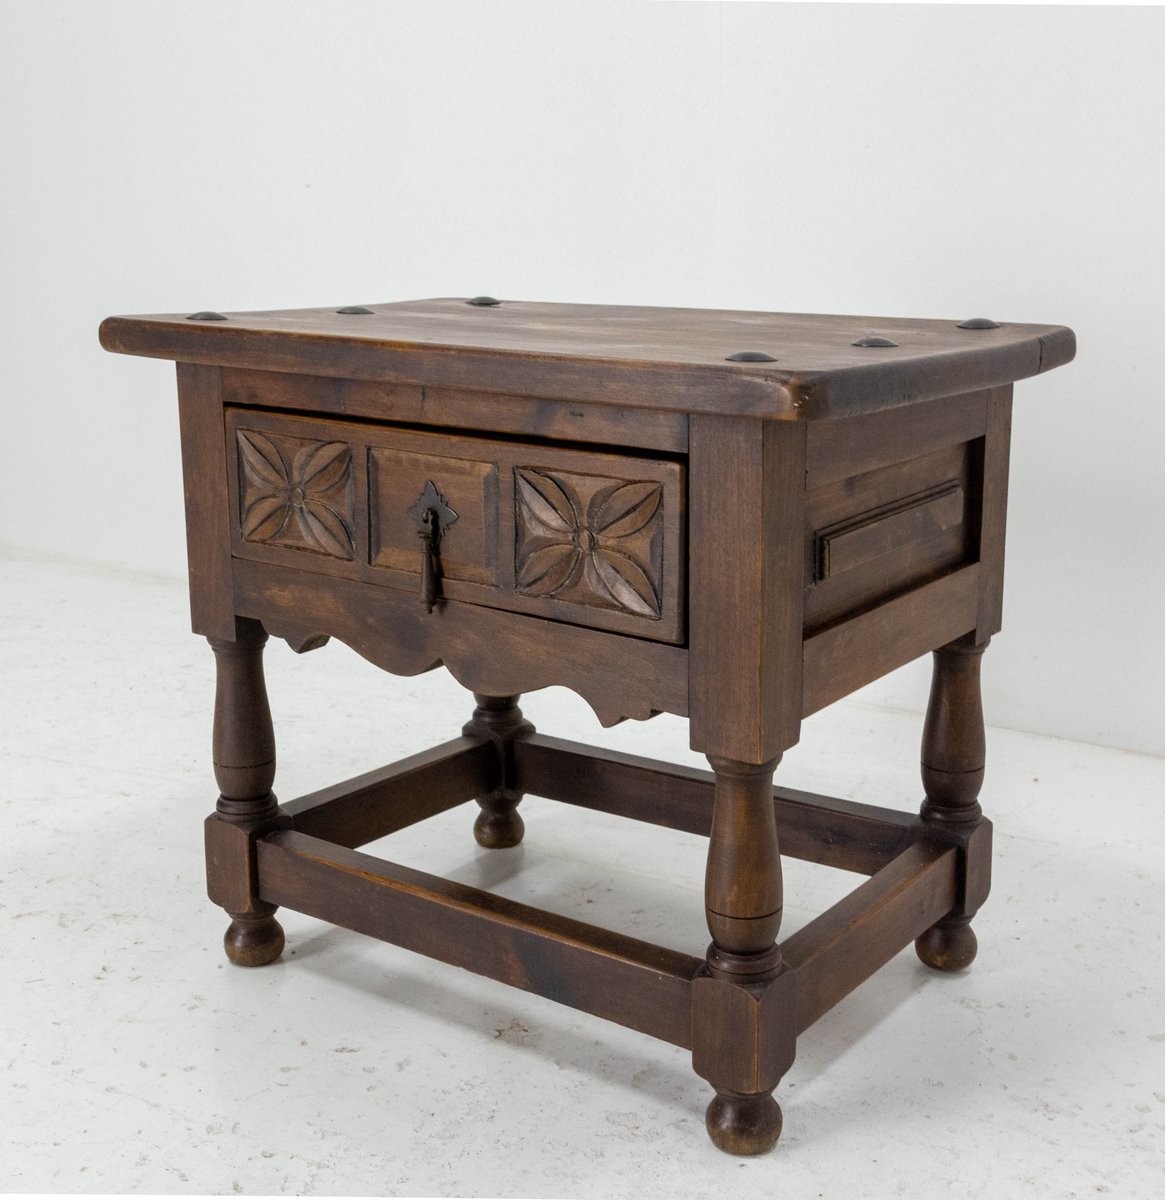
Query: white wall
<point>912,161</point>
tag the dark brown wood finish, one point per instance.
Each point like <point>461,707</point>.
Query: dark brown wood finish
<point>489,651</point>
<point>208,521</point>
<point>954,752</point>
<point>747,570</point>
<point>613,500</point>
<point>875,535</point>
<point>890,528</point>
<point>743,1059</point>
<point>571,534</point>
<point>743,897</point>
<point>244,768</point>
<point>619,978</point>
<point>499,721</point>
<point>838,450</point>
<point>666,358</point>
<point>414,405</point>
<point>819,829</point>
<point>996,449</point>
<point>848,654</point>
<point>845,945</point>
<point>747,480</point>
<point>377,803</point>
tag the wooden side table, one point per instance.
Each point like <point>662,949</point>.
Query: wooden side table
<point>735,517</point>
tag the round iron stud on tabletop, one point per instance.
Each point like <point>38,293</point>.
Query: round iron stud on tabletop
<point>874,341</point>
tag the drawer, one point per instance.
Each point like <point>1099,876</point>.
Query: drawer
<point>590,537</point>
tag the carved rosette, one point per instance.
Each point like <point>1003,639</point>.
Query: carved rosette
<point>589,540</point>
<point>298,493</point>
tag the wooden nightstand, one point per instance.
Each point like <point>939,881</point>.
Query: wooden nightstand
<point>735,517</point>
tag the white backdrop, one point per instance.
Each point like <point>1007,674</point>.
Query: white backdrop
<point>894,160</point>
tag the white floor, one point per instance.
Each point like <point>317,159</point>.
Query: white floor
<point>134,1059</point>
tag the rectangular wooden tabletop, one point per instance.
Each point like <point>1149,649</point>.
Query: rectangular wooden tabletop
<point>804,365</point>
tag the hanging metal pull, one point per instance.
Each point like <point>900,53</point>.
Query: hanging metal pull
<point>433,516</point>
<point>430,535</point>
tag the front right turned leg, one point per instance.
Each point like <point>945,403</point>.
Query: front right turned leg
<point>743,1020</point>
<point>244,768</point>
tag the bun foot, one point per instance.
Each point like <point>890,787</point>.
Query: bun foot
<point>253,941</point>
<point>948,946</point>
<point>498,830</point>
<point>744,1124</point>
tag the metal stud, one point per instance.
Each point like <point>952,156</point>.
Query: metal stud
<point>354,310</point>
<point>206,315</point>
<point>483,302</point>
<point>979,323</point>
<point>750,356</point>
<point>873,341</point>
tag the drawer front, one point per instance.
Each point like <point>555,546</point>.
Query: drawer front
<point>593,538</point>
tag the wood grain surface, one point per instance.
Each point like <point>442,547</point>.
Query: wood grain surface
<point>654,358</point>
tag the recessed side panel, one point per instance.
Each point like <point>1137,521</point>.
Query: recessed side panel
<point>877,534</point>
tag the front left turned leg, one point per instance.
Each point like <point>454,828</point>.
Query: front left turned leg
<point>244,768</point>
<point>953,761</point>
<point>498,718</point>
<point>742,1009</point>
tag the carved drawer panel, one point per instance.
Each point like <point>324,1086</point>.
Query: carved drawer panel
<point>296,492</point>
<point>590,537</point>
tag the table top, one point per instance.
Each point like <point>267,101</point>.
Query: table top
<point>813,365</point>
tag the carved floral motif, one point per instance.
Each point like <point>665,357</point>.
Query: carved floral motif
<point>589,539</point>
<point>294,492</point>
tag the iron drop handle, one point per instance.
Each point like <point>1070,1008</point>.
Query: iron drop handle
<point>430,535</point>
<point>433,516</point>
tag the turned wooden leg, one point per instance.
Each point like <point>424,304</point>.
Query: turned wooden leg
<point>499,825</point>
<point>244,767</point>
<point>953,759</point>
<point>742,1018</point>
